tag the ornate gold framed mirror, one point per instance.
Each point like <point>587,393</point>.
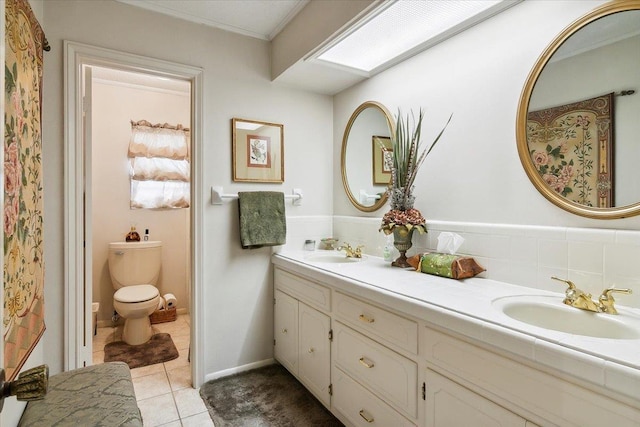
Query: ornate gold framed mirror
<point>364,175</point>
<point>577,123</point>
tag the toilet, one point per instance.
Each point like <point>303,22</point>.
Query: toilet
<point>134,268</point>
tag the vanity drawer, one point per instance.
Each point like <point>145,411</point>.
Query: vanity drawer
<point>303,289</point>
<point>387,373</point>
<point>390,327</point>
<point>361,407</point>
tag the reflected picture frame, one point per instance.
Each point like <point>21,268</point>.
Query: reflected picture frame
<point>381,174</point>
<point>257,151</point>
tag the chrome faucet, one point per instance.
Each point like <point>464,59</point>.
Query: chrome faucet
<point>582,300</point>
<point>351,253</point>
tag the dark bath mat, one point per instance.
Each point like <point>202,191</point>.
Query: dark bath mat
<point>160,348</point>
<point>264,397</point>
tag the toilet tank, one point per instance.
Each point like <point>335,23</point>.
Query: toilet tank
<point>135,263</point>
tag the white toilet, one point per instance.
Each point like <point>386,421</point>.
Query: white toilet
<point>134,268</point>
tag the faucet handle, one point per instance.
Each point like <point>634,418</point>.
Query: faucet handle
<point>572,286</point>
<point>607,292</point>
<point>572,293</point>
<point>606,300</point>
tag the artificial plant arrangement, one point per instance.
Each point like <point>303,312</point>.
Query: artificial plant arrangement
<point>404,161</point>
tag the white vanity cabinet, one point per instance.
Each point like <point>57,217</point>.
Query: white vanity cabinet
<point>302,335</point>
<point>400,361</point>
<point>285,331</point>
<point>449,404</point>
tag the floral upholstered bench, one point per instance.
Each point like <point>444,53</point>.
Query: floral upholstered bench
<point>99,395</point>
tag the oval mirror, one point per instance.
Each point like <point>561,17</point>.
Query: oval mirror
<point>577,125</point>
<point>364,175</point>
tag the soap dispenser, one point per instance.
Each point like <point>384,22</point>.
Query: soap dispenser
<point>387,252</point>
<point>132,235</point>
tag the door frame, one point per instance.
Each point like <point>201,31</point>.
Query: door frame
<point>78,298</point>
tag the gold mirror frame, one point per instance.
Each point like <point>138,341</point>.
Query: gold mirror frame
<point>343,158</point>
<point>523,109</point>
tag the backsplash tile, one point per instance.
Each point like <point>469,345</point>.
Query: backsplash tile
<point>526,255</point>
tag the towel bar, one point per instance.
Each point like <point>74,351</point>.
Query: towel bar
<point>365,197</point>
<point>217,196</point>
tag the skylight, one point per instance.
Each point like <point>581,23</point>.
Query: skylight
<point>400,29</point>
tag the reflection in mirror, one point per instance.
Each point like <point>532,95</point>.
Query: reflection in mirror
<point>364,176</point>
<point>578,121</point>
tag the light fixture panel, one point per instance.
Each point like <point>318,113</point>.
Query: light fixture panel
<point>405,26</point>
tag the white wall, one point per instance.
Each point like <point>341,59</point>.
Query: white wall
<point>473,182</point>
<point>474,174</point>
<point>114,105</point>
<point>237,283</point>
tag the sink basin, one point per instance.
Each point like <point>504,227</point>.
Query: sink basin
<point>549,312</point>
<point>332,257</point>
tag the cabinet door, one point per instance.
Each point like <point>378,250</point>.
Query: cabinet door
<point>286,331</point>
<point>314,351</point>
<point>450,404</point>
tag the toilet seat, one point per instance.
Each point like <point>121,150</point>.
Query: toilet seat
<point>136,293</point>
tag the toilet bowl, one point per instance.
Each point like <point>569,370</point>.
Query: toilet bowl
<point>135,304</point>
<point>135,268</point>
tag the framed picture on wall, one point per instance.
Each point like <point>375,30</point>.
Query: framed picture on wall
<point>257,151</point>
<point>381,173</point>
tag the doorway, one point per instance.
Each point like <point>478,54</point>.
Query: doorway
<point>114,99</point>
<point>81,60</point>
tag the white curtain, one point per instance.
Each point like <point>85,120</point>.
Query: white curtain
<point>159,166</point>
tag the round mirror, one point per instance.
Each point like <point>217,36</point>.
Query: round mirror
<point>364,175</point>
<point>577,125</point>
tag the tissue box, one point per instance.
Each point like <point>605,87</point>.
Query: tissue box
<point>446,265</point>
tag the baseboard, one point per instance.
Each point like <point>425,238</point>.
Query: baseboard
<point>238,369</point>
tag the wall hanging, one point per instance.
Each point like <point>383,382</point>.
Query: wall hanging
<point>571,146</point>
<point>23,311</point>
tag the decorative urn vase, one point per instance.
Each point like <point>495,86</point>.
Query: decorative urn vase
<point>402,240</point>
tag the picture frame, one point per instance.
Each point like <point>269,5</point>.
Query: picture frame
<point>381,173</point>
<point>257,151</point>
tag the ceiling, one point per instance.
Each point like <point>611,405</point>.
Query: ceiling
<point>261,19</point>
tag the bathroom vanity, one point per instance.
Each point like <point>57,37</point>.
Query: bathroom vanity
<point>382,346</point>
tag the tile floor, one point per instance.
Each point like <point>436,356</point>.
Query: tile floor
<point>164,392</point>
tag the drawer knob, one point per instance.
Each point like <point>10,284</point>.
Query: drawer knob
<point>366,364</point>
<point>284,330</point>
<point>365,417</point>
<point>366,319</point>
<point>311,349</point>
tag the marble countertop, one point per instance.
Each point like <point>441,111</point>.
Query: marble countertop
<point>466,307</point>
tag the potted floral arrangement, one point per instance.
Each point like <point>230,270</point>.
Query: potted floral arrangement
<point>404,161</point>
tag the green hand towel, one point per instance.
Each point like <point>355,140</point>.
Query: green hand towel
<point>262,219</point>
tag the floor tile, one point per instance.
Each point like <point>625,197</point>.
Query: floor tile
<point>182,360</point>
<point>189,402</point>
<point>147,370</point>
<point>180,378</point>
<point>181,342</point>
<point>98,357</point>
<point>158,410</point>
<point>151,385</point>
<point>201,420</point>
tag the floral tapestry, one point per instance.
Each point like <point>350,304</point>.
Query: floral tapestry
<point>23,314</point>
<point>571,146</point>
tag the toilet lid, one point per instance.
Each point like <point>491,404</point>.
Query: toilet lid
<point>136,293</point>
